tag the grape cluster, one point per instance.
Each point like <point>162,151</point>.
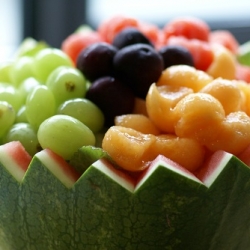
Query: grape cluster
<point>43,102</point>
<point>124,69</point>
<point>47,100</point>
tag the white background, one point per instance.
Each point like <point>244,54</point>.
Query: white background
<point>159,11</point>
<point>231,13</point>
<point>10,27</point>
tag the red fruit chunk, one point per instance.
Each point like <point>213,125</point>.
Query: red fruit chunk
<point>15,159</point>
<point>76,42</point>
<point>224,38</point>
<point>111,27</point>
<point>201,51</point>
<point>152,32</point>
<point>189,27</point>
<point>242,73</point>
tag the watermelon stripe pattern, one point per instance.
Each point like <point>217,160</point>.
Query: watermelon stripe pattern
<point>168,209</point>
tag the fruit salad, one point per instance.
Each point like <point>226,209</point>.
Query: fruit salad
<point>129,136</point>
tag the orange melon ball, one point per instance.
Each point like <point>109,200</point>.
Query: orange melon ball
<point>198,116</point>
<point>138,122</point>
<point>227,92</point>
<point>223,65</point>
<point>245,88</point>
<point>184,76</point>
<point>185,151</point>
<point>160,102</point>
<point>129,148</point>
<point>234,134</point>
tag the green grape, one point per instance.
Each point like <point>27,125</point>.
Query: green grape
<point>48,59</point>
<point>66,83</point>
<point>26,86</point>
<point>4,85</point>
<point>64,135</point>
<point>40,104</point>
<point>5,71</point>
<point>84,29</point>
<point>30,46</point>
<point>85,111</point>
<point>11,95</point>
<point>21,69</point>
<point>88,84</point>
<point>21,115</point>
<point>7,117</point>
<point>24,133</point>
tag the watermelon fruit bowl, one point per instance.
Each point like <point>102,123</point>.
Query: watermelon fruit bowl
<point>106,209</point>
<point>168,207</point>
<point>162,164</point>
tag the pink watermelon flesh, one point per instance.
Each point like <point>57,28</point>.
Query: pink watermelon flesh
<point>167,163</point>
<point>207,175</point>
<point>118,176</point>
<point>126,181</point>
<point>213,167</point>
<point>59,167</point>
<point>15,159</point>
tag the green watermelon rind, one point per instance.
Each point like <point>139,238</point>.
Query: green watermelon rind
<point>98,213</point>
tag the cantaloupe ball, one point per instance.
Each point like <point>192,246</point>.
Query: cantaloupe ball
<point>184,76</point>
<point>138,122</point>
<point>129,148</point>
<point>234,134</point>
<point>160,102</point>
<point>198,116</point>
<point>227,92</point>
<point>185,151</point>
<point>224,64</point>
<point>245,88</point>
